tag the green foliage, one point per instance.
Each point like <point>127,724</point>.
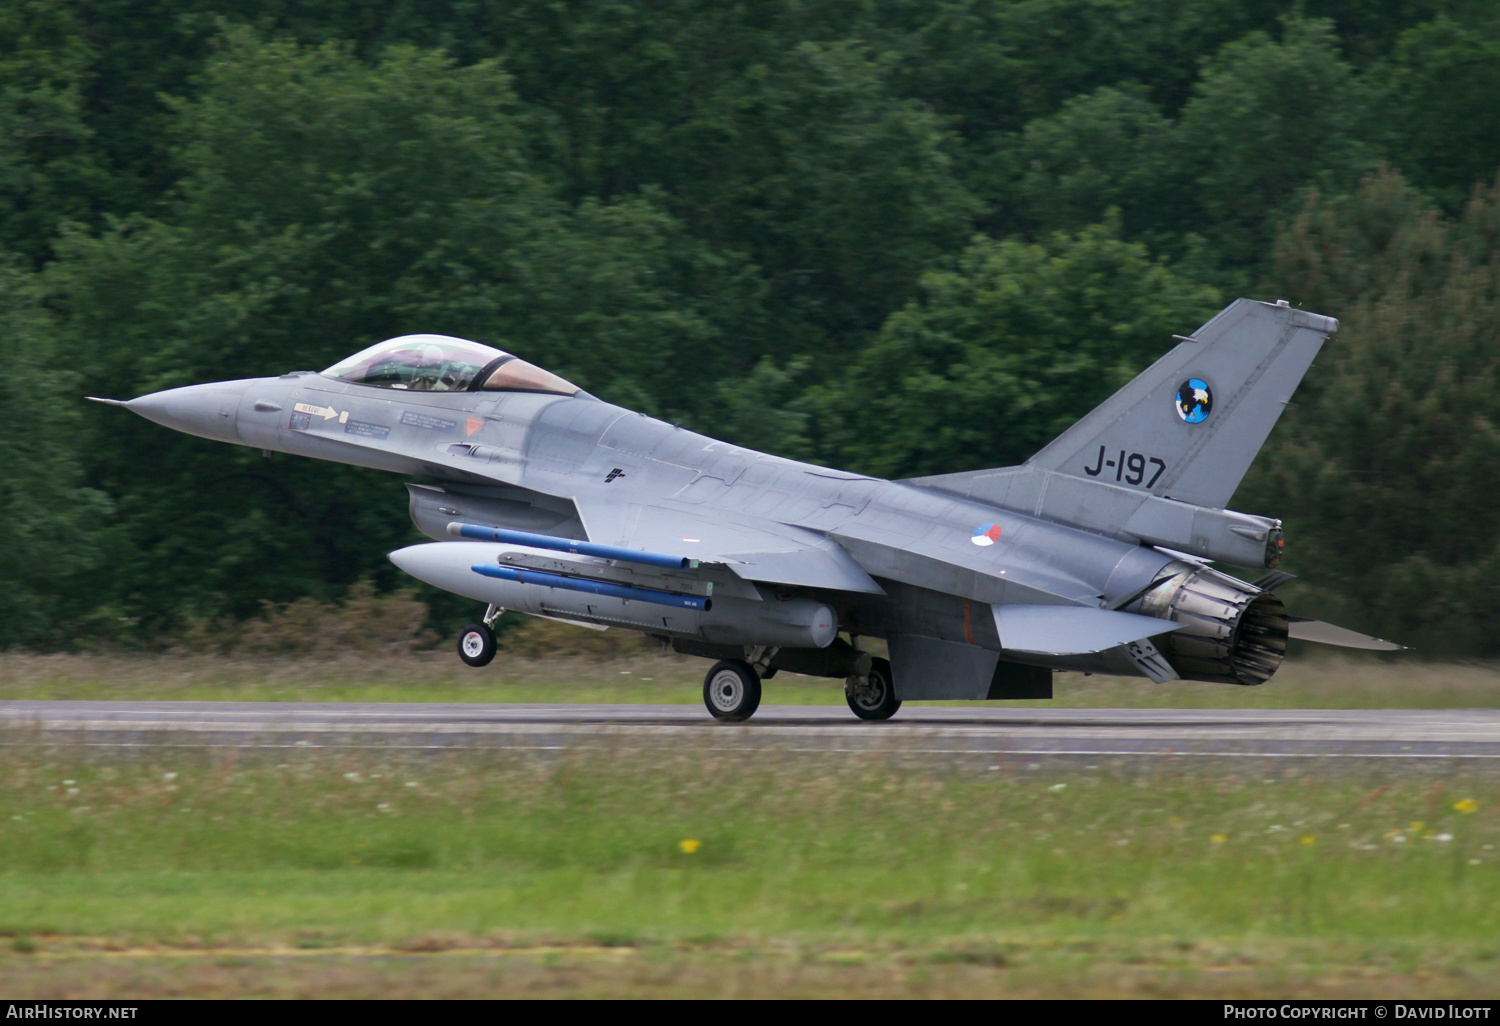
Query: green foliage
<point>1004,351</point>
<point>1445,76</point>
<point>47,173</point>
<point>997,65</point>
<point>329,204</point>
<point>536,637</point>
<point>617,297</point>
<point>1389,466</point>
<point>1108,149</point>
<point>342,203</point>
<point>1268,119</point>
<point>774,131</point>
<point>364,626</point>
<point>838,190</point>
<point>748,218</point>
<point>765,409</point>
<point>53,541</point>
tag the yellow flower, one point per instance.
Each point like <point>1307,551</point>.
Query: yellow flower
<point>1416,826</point>
<point>1307,838</point>
<point>1219,838</point>
<point>689,846</point>
<point>1466,806</point>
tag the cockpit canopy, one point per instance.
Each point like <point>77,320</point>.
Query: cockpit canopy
<point>437,363</point>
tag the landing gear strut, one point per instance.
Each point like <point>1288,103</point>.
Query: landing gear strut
<point>731,690</point>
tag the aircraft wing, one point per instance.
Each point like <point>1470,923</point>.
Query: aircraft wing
<point>754,551</point>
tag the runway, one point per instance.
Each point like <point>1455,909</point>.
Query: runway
<point>984,733</point>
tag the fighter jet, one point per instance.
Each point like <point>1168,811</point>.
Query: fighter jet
<point>1091,556</point>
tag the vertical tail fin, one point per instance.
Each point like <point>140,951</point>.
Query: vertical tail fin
<point>1189,425</point>
<point>1161,457</point>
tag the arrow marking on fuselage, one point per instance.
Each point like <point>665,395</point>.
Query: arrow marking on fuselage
<point>326,412</point>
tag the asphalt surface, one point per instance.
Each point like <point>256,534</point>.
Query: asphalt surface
<point>984,733</point>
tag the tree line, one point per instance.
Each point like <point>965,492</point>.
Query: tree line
<point>898,237</point>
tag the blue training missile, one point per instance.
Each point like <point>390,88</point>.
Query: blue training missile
<point>581,548</point>
<point>467,568</point>
<point>620,591</point>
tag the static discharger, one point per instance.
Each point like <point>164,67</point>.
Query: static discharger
<point>580,548</point>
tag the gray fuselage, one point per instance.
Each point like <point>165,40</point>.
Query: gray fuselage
<point>561,463</point>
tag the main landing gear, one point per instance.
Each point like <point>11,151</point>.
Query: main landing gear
<point>874,697</point>
<point>731,690</point>
<point>476,642</point>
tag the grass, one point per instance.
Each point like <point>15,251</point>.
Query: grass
<point>362,874</point>
<point>635,675</point>
<point>494,873</point>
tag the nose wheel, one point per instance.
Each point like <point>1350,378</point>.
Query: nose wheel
<point>476,644</point>
<point>731,690</point>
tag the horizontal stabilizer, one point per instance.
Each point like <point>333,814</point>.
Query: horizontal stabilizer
<point>1072,630</point>
<point>1328,634</point>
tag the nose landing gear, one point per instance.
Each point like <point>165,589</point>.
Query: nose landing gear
<point>476,642</point>
<point>476,645</point>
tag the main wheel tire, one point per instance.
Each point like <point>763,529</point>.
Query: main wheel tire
<point>876,700</point>
<point>476,644</point>
<point>731,690</point>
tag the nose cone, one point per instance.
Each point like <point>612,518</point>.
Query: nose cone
<point>413,559</point>
<point>447,565</point>
<point>208,411</point>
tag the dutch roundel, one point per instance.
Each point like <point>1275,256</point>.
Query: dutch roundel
<point>986,534</point>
